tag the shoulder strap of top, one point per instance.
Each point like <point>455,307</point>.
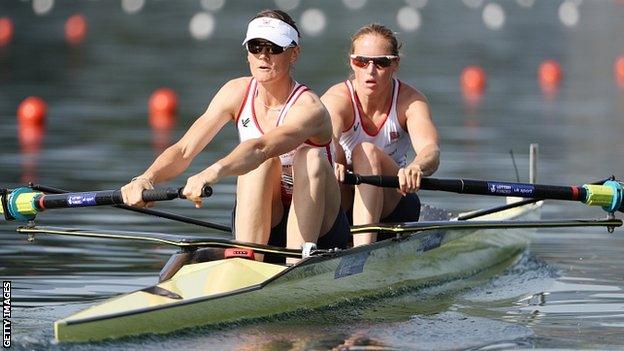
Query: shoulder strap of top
<point>294,95</point>
<point>249,93</point>
<point>353,98</point>
<point>396,86</point>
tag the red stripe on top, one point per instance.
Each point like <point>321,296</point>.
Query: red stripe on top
<point>359,106</point>
<point>294,95</point>
<point>327,150</point>
<point>253,108</point>
<point>41,206</point>
<point>317,145</point>
<point>352,106</point>
<point>240,110</point>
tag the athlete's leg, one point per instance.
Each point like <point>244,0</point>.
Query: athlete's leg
<point>258,203</point>
<point>371,203</point>
<point>316,197</point>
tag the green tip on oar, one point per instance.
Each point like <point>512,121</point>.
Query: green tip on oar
<point>19,204</point>
<point>608,196</point>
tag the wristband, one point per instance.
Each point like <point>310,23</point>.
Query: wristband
<point>142,178</point>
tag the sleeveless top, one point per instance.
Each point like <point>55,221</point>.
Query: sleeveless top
<point>249,128</point>
<point>391,137</point>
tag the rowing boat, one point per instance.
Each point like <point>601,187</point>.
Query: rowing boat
<point>235,289</point>
<point>232,287</point>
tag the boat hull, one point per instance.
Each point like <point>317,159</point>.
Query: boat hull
<point>237,289</point>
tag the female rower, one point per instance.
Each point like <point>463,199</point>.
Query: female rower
<point>287,194</point>
<point>375,118</point>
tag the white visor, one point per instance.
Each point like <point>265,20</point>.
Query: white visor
<point>273,30</point>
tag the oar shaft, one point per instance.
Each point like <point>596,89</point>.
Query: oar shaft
<point>610,195</point>
<point>480,187</point>
<point>23,203</point>
<point>152,212</point>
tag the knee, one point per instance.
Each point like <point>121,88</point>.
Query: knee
<point>312,161</point>
<point>366,157</point>
<point>267,167</point>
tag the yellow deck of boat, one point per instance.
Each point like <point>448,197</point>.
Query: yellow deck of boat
<point>238,289</point>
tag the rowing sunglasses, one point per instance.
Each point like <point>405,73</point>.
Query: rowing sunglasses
<point>383,61</point>
<point>256,46</point>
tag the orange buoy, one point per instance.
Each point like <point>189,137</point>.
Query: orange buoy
<point>473,79</point>
<point>163,101</point>
<point>32,110</point>
<point>6,31</point>
<point>550,73</point>
<point>618,70</point>
<point>76,29</point>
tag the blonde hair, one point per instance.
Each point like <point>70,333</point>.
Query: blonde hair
<point>381,30</point>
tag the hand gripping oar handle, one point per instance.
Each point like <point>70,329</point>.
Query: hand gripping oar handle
<point>109,197</point>
<point>608,195</point>
<point>23,204</point>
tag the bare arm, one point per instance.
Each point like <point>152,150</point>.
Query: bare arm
<point>307,119</point>
<point>177,158</point>
<point>338,104</point>
<point>424,137</point>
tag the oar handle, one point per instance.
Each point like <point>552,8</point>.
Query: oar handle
<point>377,180</point>
<point>108,197</point>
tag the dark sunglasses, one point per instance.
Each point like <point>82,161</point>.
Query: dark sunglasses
<point>255,47</point>
<point>379,61</point>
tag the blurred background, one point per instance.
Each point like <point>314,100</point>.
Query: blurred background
<point>91,91</point>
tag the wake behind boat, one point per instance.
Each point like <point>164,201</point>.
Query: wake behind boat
<point>232,287</point>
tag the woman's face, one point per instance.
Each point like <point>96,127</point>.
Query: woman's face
<point>371,53</point>
<point>266,64</point>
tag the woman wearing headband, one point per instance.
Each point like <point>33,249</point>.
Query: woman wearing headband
<point>287,193</point>
<point>376,119</point>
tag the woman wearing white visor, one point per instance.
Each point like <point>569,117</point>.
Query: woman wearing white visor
<point>287,193</point>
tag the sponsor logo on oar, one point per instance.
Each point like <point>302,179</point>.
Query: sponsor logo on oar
<point>87,199</point>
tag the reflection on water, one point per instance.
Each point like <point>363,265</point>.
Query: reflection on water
<point>566,293</point>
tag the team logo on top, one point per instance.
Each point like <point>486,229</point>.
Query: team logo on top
<point>356,126</point>
<point>246,122</point>
<point>394,136</point>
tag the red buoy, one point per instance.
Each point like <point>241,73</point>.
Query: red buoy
<point>6,31</point>
<point>76,29</point>
<point>550,73</point>
<point>163,101</point>
<point>473,79</point>
<point>32,110</point>
<point>618,71</point>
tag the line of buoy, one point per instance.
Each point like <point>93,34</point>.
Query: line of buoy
<point>550,74</point>
<point>6,31</point>
<point>76,29</point>
<point>32,111</point>
<point>163,108</point>
<point>618,71</point>
<point>473,79</point>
